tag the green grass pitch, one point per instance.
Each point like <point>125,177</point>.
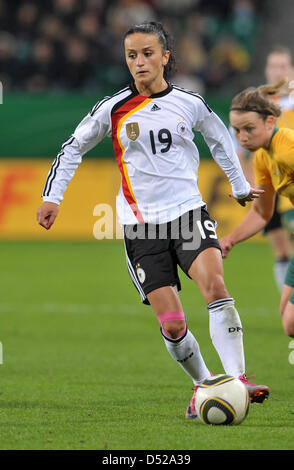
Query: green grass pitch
<point>85,367</point>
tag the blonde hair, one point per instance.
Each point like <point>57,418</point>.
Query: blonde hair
<point>259,100</point>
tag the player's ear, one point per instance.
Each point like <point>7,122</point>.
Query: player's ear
<point>165,58</point>
<point>271,120</point>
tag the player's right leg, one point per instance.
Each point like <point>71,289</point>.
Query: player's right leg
<point>179,341</point>
<point>153,270</point>
<point>279,240</point>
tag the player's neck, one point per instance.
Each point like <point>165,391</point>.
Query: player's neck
<point>269,140</point>
<point>157,86</point>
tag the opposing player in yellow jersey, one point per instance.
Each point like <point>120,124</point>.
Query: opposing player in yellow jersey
<point>253,116</point>
<point>278,230</point>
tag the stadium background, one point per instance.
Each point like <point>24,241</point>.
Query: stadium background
<point>58,58</point>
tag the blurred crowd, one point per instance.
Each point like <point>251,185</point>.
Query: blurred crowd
<point>57,45</point>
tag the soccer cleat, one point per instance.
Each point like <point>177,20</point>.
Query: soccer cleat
<point>191,412</point>
<point>257,393</point>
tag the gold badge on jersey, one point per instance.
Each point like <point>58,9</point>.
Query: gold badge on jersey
<point>133,130</point>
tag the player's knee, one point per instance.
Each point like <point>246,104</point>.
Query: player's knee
<point>174,329</point>
<point>289,331</point>
<point>288,328</point>
<point>173,324</point>
<point>216,288</point>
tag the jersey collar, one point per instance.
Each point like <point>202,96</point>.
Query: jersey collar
<point>271,141</point>
<point>155,95</point>
<point>273,135</point>
<point>275,131</point>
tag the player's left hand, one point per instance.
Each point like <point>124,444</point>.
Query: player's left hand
<point>253,194</point>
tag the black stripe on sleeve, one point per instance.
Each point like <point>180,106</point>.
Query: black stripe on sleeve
<point>192,93</point>
<point>101,102</point>
<point>52,173</point>
<point>97,105</point>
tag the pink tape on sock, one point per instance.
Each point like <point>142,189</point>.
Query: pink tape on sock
<point>171,316</point>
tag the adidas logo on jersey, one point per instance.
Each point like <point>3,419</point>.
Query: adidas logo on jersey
<point>155,107</point>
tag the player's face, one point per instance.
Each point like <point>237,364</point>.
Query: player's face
<point>251,131</point>
<point>278,67</point>
<point>145,58</point>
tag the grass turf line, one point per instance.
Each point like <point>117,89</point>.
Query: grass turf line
<point>85,366</point>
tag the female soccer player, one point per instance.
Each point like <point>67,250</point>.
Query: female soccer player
<point>253,117</point>
<point>165,221</point>
<point>278,67</point>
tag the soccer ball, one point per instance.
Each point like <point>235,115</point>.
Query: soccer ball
<point>222,399</point>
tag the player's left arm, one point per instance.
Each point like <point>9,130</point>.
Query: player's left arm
<point>221,146</point>
<point>254,193</point>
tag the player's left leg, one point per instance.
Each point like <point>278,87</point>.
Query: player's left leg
<point>288,317</point>
<point>287,301</point>
<point>224,322</point>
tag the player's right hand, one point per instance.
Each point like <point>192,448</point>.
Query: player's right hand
<point>47,213</point>
<point>226,245</point>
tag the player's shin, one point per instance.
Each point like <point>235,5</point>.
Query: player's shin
<point>185,350</point>
<point>280,271</point>
<point>227,335</point>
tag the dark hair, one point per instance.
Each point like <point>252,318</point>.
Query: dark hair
<point>154,27</point>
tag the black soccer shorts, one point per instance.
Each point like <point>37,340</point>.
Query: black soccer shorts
<point>275,221</point>
<point>154,252</point>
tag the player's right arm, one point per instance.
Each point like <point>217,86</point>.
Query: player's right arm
<point>256,219</point>
<point>47,213</point>
<point>91,130</point>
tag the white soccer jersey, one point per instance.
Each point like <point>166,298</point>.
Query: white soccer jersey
<point>286,103</point>
<point>153,145</point>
